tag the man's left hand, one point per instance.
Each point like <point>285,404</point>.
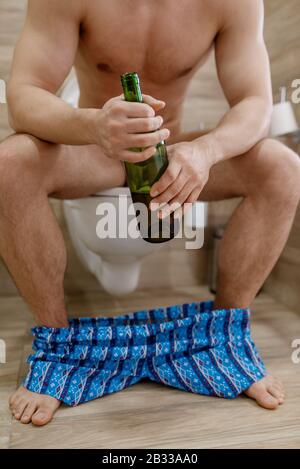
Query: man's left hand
<point>184,179</point>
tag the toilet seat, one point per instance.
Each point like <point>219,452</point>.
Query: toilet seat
<point>114,192</point>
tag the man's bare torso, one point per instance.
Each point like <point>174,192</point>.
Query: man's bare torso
<point>164,41</point>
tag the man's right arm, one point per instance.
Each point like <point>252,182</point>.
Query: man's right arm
<point>42,60</point>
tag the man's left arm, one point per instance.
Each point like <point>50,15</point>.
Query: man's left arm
<point>244,72</point>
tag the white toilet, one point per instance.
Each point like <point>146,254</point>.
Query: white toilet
<point>115,261</point>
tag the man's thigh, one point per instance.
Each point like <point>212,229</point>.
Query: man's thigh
<point>82,171</point>
<point>268,168</point>
<point>227,180</point>
<point>67,172</point>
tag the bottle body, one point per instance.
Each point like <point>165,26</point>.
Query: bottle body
<point>142,175</point>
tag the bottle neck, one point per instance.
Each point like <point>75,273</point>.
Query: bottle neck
<point>131,88</point>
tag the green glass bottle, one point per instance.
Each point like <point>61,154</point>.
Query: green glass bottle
<point>141,176</point>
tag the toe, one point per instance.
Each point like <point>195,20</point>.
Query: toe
<point>277,383</point>
<point>17,397</point>
<point>259,392</point>
<point>28,412</point>
<point>276,392</point>
<point>44,414</point>
<point>267,400</point>
<point>275,387</point>
<point>12,400</point>
<point>18,410</point>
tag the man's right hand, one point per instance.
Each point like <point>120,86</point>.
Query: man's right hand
<point>123,125</point>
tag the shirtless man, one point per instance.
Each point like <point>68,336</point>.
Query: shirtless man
<point>68,153</point>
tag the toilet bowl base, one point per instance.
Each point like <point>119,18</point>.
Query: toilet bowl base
<point>118,278</point>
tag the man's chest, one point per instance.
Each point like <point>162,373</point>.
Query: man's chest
<point>163,39</point>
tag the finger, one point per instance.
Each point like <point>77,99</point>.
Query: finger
<point>156,104</point>
<point>171,191</point>
<point>143,125</point>
<point>187,205</point>
<point>134,109</point>
<point>169,176</point>
<point>136,157</point>
<point>194,196</point>
<point>147,140</point>
<point>176,202</point>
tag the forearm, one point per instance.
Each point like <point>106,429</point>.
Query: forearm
<point>241,128</point>
<point>39,113</point>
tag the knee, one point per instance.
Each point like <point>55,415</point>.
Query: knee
<point>19,162</point>
<point>276,171</point>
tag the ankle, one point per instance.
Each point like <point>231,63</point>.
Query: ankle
<point>230,303</point>
<point>53,321</point>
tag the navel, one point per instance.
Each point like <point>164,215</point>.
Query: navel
<point>103,67</point>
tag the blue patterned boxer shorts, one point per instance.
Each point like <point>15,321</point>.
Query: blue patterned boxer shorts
<point>189,347</point>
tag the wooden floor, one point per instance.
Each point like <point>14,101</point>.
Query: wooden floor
<point>152,416</point>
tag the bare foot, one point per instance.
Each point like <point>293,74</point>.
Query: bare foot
<point>29,407</point>
<point>268,392</point>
